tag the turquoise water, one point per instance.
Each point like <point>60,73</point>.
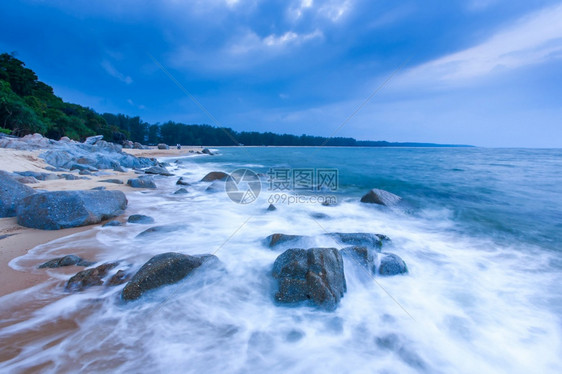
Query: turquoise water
<point>507,194</point>
<point>478,228</point>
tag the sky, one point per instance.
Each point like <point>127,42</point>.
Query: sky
<point>480,72</point>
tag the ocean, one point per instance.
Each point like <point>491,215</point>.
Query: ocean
<point>479,229</point>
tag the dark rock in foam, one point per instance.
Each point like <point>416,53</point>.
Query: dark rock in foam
<point>315,275</point>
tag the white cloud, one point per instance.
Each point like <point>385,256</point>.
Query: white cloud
<point>111,70</point>
<point>252,42</point>
<point>333,10</point>
<point>534,39</point>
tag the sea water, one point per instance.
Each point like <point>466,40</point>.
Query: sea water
<point>478,228</point>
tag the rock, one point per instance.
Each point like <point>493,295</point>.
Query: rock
<point>359,239</point>
<point>100,188</point>
<point>362,255</point>
<point>116,181</point>
<point>163,146</point>
<point>158,170</point>
<point>63,209</point>
<point>214,175</point>
<point>392,264</point>
<point>65,139</point>
<point>216,186</point>
<point>90,277</point>
<point>315,275</point>
<point>142,182</point>
<point>274,240</point>
<point>93,139</point>
<point>381,197</point>
<point>182,182</point>
<point>112,223</point>
<point>207,152</point>
<point>119,168</point>
<point>118,278</point>
<point>271,208</point>
<point>85,172</point>
<point>68,260</point>
<point>158,230</point>
<point>25,180</point>
<point>164,269</point>
<point>140,218</point>
<point>137,145</point>
<point>319,215</point>
<point>181,191</point>
<point>11,193</point>
<point>81,167</point>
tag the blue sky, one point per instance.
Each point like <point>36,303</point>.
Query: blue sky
<point>483,72</point>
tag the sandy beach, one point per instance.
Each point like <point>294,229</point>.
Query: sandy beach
<point>16,240</point>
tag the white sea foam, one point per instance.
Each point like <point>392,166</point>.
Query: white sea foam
<point>467,305</point>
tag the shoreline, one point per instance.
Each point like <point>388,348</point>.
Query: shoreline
<point>16,240</point>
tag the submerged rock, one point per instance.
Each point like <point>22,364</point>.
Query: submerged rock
<point>158,230</point>
<point>182,182</point>
<point>207,151</point>
<point>141,182</point>
<point>68,260</point>
<point>141,219</point>
<point>11,193</point>
<point>315,275</point>
<point>181,191</point>
<point>380,197</point>
<point>362,255</point>
<point>392,264</point>
<point>360,239</point>
<point>112,223</point>
<point>118,278</point>
<point>161,270</point>
<point>271,208</point>
<point>274,240</point>
<point>214,175</point>
<point>89,277</point>
<point>63,209</point>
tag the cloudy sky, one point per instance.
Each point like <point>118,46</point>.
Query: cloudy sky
<point>483,72</point>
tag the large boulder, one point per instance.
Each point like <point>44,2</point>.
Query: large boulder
<point>214,175</point>
<point>63,209</point>
<point>392,264</point>
<point>161,270</point>
<point>315,275</point>
<point>11,193</point>
<point>163,146</point>
<point>380,197</point>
